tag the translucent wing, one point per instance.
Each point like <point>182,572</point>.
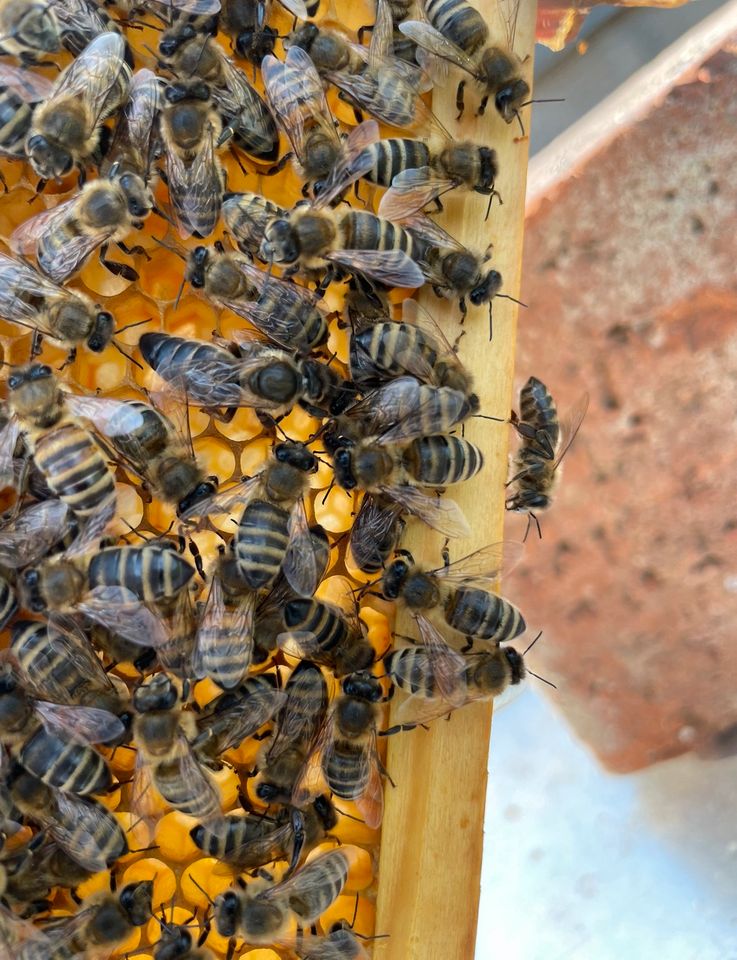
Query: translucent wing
<point>354,162</point>
<point>412,190</point>
<point>441,514</point>
<point>230,500</point>
<point>338,945</point>
<point>448,666</point>
<point>311,781</point>
<point>295,723</point>
<point>296,7</point>
<point>80,842</point>
<point>569,426</point>
<point>58,261</point>
<point>426,229</point>
<point>195,7</point>
<point>413,313</point>
<point>23,290</point>
<point>120,611</point>
<point>8,440</point>
<point>391,267</point>
<point>404,408</point>
<point>231,726</point>
<point>370,801</point>
<point>29,87</point>
<point>26,236</point>
<point>211,381</point>
<point>87,724</point>
<point>93,530</point>
<point>484,566</point>
<point>304,888</point>
<point>430,39</point>
<point>374,527</point>
<point>240,102</point>
<point>224,636</point>
<point>94,75</point>
<point>67,639</point>
<point>114,418</point>
<point>29,536</point>
<point>301,566</point>
<point>195,189</point>
<point>132,141</point>
<point>143,796</point>
<point>193,774</point>
<point>402,109</point>
<point>247,218</point>
<point>81,22</point>
<point>382,36</point>
<point>303,645</point>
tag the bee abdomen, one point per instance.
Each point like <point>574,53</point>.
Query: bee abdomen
<point>411,670</point>
<point>261,542</point>
<point>362,230</point>
<point>8,602</point>
<point>476,613</point>
<point>393,348</point>
<point>15,122</point>
<point>30,644</point>
<point>96,840</point>
<point>74,468</point>
<point>311,616</point>
<point>345,771</point>
<point>171,782</point>
<point>151,572</point>
<point>309,326</point>
<point>460,22</point>
<point>538,408</point>
<point>439,460</point>
<point>70,766</point>
<point>393,155</point>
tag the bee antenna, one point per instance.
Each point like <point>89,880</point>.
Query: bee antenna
<point>178,251</point>
<point>507,296</point>
<point>327,492</point>
<point>180,292</point>
<point>203,892</point>
<point>538,677</point>
<point>136,323</point>
<point>524,654</point>
<point>547,100</point>
<point>127,355</point>
<point>163,216</point>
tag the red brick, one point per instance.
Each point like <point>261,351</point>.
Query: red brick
<point>629,271</point>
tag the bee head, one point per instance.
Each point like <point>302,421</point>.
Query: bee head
<point>197,267</point>
<point>296,455</point>
<point>102,331</point>
<point>484,291</point>
<point>255,44</point>
<point>135,899</point>
<point>48,159</point>
<point>137,195</point>
<point>228,913</point>
<point>363,686</point>
<point>394,577</point>
<point>203,491</point>
<point>326,812</point>
<point>155,693</point>
<point>510,98</point>
<point>279,242</point>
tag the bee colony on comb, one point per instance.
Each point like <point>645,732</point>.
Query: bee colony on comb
<point>227,420</point>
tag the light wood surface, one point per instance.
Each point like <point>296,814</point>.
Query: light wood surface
<point>432,833</point>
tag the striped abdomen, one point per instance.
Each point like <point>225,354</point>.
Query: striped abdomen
<point>64,763</point>
<point>191,796</point>
<point>152,572</point>
<point>95,841</point>
<point>247,215</point>
<point>74,468</point>
<point>310,616</point>
<point>307,325</point>
<point>411,669</point>
<point>346,770</point>
<point>8,603</point>
<point>15,122</point>
<point>261,542</point>
<point>360,230</point>
<point>538,408</point>
<point>327,877</point>
<point>390,350</point>
<point>393,155</point>
<point>49,669</point>
<point>476,613</point>
<point>459,22</point>
<point>439,460</point>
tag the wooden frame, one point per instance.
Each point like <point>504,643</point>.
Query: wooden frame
<point>430,861</point>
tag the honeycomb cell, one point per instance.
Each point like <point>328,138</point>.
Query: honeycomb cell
<point>245,425</point>
<point>228,786</point>
<point>334,510</point>
<point>104,371</point>
<point>161,276</point>
<point>356,911</point>
<point>111,799</point>
<point>169,915</point>
<point>137,834</point>
<point>255,455</point>
<point>217,455</point>
<point>262,953</point>
<point>173,839</point>
<point>378,629</point>
<point>102,282</point>
<point>130,509</point>
<point>162,877</point>
<point>336,590</point>
<point>299,425</point>
<point>97,883</point>
<point>245,754</point>
<point>339,342</point>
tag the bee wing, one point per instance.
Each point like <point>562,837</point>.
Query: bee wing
<point>364,90</point>
<point>374,522</point>
<point>67,639</point>
<point>8,440</point>
<point>230,500</point>
<point>441,514</point>
<point>208,383</point>
<point>415,423</point>
<point>391,267</point>
<point>311,781</point>
<point>510,13</point>
<point>241,720</point>
<point>295,724</point>
<point>382,36</point>
<point>30,536</point>
<point>193,774</point>
<point>336,946</point>
<point>370,800</point>
<point>426,229</point>
<point>569,426</point>
<point>196,7</point>
<point>22,287</point>
<point>92,532</point>
<point>448,666</point>
<point>25,236</point>
<point>223,636</point>
<point>412,190</point>
<point>417,710</point>
<point>112,417</point>
<point>413,313</point>
<point>143,797</point>
<point>86,724</point>
<point>248,230</point>
<point>301,565</point>
<point>353,163</point>
<point>309,879</point>
<point>120,611</point>
<point>93,74</point>
<point>27,86</point>
<point>484,566</point>
<point>133,134</point>
<point>195,189</point>
<point>430,39</point>
<point>79,844</point>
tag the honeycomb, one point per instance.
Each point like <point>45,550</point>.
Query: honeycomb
<point>184,880</point>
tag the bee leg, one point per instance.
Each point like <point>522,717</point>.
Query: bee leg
<point>438,205</point>
<point>133,251</point>
<point>197,557</point>
<point>117,269</point>
<point>81,177</point>
<point>71,357</point>
<point>445,554</point>
<point>280,164</point>
<point>36,342</point>
<point>40,187</point>
<point>459,99</point>
<point>4,182</point>
<point>385,773</point>
<point>482,106</point>
<point>463,309</point>
<point>367,28</point>
<point>468,645</point>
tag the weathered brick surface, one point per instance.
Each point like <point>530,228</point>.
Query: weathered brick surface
<point>630,273</point>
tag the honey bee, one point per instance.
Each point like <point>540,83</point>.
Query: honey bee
<point>151,445</point>
<point>345,756</point>
<point>325,634</point>
<point>457,34</point>
<point>81,826</point>
<point>295,94</point>
<point>246,215</point>
<point>64,452</point>
<point>266,917</point>
<point>545,441</point>
<point>103,923</point>
<point>246,116</point>
<point>8,602</point>
<point>417,174</point>
<point>20,91</point>
<point>463,590</point>
<point>67,317</point>
<point>246,23</point>
<point>28,30</point>
<point>53,741</point>
<point>64,237</point>
<point>190,127</point>
<point>439,684</point>
<point>176,943</point>
<point>284,312</point>
<point>297,726</point>
<point>111,587</point>
<point>415,346</point>
<point>371,79</point>
<point>339,944</point>
<point>313,237</point>
<point>375,533</point>
<point>80,21</point>
<point>28,874</point>
<point>235,715</point>
<point>66,127</point>
<point>163,732</point>
<point>56,662</point>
